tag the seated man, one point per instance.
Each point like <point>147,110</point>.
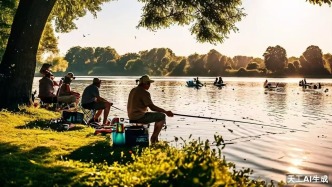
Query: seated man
<point>46,89</point>
<point>65,94</point>
<point>46,68</point>
<point>138,102</point>
<point>92,100</point>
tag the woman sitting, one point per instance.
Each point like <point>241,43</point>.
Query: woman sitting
<point>65,95</point>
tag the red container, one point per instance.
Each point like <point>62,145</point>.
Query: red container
<point>115,121</point>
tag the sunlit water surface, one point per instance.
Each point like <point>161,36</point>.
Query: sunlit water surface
<point>270,151</point>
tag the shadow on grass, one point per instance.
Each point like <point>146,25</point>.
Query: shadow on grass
<point>25,168</point>
<point>102,151</point>
<point>46,125</point>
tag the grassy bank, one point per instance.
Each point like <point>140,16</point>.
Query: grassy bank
<point>34,155</point>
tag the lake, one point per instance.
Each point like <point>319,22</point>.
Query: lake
<point>267,145</point>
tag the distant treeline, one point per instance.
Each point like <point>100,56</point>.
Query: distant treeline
<point>105,61</point>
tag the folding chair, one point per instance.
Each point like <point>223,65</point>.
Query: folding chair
<point>88,114</point>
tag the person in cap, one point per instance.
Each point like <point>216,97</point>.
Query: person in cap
<point>66,95</point>
<point>46,89</point>
<point>139,101</point>
<point>91,100</point>
<point>46,68</point>
<point>71,75</point>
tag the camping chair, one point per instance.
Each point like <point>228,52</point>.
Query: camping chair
<point>135,123</point>
<point>47,104</point>
<point>88,114</point>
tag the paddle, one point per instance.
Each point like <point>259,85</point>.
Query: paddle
<point>260,124</point>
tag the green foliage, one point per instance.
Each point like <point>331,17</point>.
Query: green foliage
<point>58,63</point>
<point>320,2</point>
<point>252,66</point>
<point>211,21</point>
<point>312,61</point>
<point>65,12</point>
<point>7,11</point>
<point>275,58</point>
<point>48,43</point>
<point>241,61</point>
<point>30,152</point>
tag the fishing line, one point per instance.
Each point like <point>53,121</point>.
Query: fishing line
<point>118,108</point>
<point>237,121</point>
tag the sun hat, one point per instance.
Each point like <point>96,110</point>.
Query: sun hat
<point>145,79</point>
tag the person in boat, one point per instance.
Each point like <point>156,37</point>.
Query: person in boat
<point>91,100</point>
<point>305,83</point>
<point>266,84</point>
<point>198,82</point>
<point>139,100</point>
<point>46,89</point>
<point>220,81</point>
<point>66,95</point>
<point>216,81</point>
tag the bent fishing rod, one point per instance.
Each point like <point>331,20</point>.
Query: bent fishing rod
<point>237,121</point>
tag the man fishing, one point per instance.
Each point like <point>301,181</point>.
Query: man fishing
<point>138,102</point>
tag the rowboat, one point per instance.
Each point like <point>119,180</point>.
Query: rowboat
<point>274,86</point>
<point>312,87</point>
<point>192,84</point>
<point>220,84</point>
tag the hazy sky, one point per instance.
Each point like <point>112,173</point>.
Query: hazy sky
<point>292,24</point>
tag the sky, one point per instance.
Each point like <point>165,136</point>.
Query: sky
<point>292,24</point>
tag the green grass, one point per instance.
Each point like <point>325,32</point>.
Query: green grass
<point>34,155</point>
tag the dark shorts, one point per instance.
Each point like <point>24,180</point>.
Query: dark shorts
<point>49,99</point>
<point>150,117</point>
<point>94,105</point>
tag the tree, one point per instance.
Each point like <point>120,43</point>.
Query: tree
<point>252,65</point>
<point>241,61</point>
<point>214,63</point>
<point>7,12</point>
<point>291,68</point>
<point>275,58</point>
<point>328,59</point>
<point>48,42</point>
<point>312,61</point>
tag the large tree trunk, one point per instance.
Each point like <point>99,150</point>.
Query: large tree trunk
<point>19,60</point>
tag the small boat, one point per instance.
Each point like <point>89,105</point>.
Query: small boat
<point>193,84</point>
<point>314,87</point>
<point>274,86</point>
<point>220,85</point>
<point>305,85</point>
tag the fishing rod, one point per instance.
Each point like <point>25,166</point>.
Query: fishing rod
<point>118,108</point>
<point>237,121</point>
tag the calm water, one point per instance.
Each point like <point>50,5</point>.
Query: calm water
<point>271,152</point>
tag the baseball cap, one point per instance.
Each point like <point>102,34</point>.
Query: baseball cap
<point>71,75</point>
<point>96,81</point>
<point>145,79</point>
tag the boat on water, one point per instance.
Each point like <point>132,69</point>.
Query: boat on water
<point>274,86</point>
<point>312,87</point>
<point>219,82</point>
<point>220,85</point>
<point>193,84</point>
